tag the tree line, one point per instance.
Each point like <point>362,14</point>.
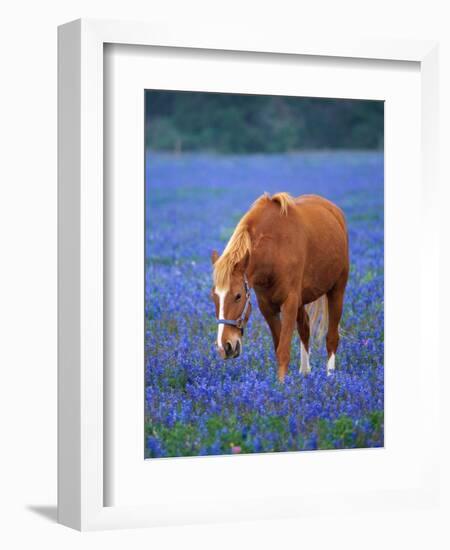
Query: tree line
<point>236,123</point>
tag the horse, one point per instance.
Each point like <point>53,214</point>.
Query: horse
<point>294,254</point>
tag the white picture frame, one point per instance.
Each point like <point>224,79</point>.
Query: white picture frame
<point>81,480</point>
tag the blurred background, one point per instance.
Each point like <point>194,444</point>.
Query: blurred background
<point>233,123</point>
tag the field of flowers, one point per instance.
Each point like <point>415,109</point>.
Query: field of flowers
<point>197,404</point>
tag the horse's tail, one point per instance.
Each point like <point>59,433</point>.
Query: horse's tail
<point>318,318</point>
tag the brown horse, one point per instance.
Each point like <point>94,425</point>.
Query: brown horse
<point>294,254</point>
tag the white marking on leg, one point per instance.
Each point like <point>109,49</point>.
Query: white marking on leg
<point>221,294</point>
<point>305,367</point>
<point>331,364</point>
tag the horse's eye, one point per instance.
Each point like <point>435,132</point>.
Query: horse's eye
<point>238,297</point>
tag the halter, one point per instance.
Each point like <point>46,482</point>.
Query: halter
<point>240,322</point>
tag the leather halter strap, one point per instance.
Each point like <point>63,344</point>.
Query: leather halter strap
<point>240,322</point>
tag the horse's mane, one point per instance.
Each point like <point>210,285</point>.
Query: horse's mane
<point>240,242</point>
<point>283,199</point>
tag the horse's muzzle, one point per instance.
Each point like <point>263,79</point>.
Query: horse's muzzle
<point>232,352</point>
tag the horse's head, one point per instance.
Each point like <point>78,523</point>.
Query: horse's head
<point>233,308</point>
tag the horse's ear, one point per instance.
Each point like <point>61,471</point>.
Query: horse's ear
<point>214,256</point>
<point>242,265</point>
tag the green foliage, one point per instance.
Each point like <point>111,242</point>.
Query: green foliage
<point>180,440</point>
<point>226,430</point>
<point>345,433</point>
<point>233,123</point>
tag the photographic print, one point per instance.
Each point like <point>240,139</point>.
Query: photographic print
<point>264,274</point>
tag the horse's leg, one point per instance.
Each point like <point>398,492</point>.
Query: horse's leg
<point>335,303</point>
<point>289,310</point>
<point>303,330</point>
<point>272,316</point>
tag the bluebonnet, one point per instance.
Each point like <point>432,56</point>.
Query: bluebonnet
<point>197,404</point>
